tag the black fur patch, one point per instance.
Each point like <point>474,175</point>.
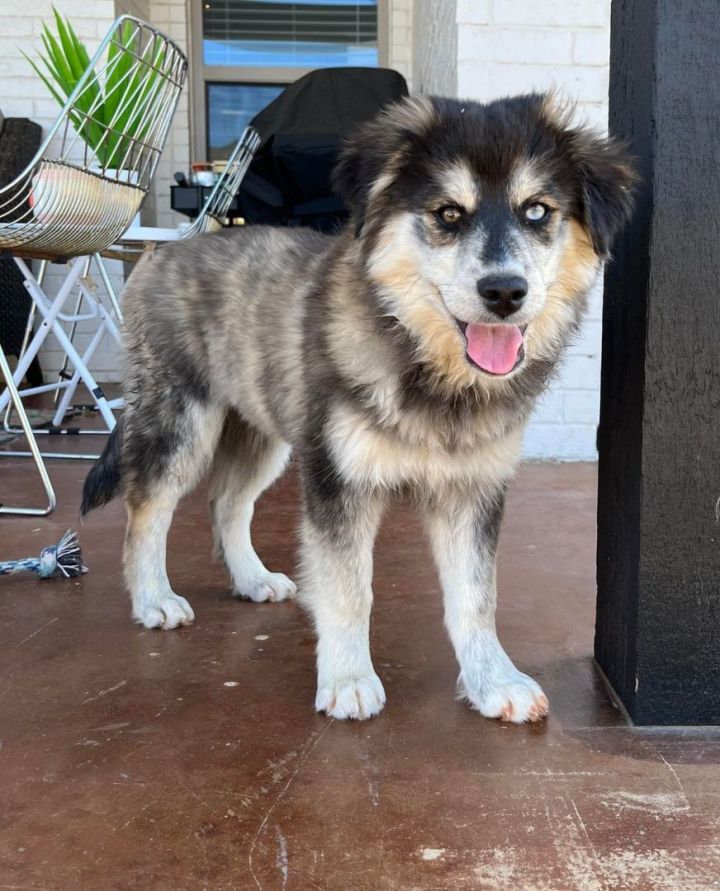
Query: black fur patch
<point>489,518</point>
<point>102,484</point>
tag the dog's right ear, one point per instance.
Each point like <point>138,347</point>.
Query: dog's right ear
<point>371,157</point>
<point>353,174</point>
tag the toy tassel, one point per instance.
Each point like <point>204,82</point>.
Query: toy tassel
<point>64,557</point>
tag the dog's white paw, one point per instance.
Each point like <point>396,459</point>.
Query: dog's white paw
<point>167,612</point>
<point>516,697</point>
<point>359,698</point>
<point>273,587</point>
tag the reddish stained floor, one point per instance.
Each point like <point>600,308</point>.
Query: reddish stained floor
<point>128,762</point>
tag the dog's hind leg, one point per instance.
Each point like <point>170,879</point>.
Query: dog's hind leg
<point>164,459</point>
<point>246,463</point>
<point>464,532</point>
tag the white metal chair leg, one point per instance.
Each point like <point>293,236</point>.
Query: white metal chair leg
<point>109,287</point>
<point>62,374</point>
<point>69,383</point>
<point>106,325</point>
<point>50,312</point>
<point>7,376</point>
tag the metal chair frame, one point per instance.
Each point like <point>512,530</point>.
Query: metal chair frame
<point>75,199</point>
<point>211,218</point>
<point>214,211</point>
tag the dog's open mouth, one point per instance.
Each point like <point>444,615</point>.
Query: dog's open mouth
<point>494,349</point>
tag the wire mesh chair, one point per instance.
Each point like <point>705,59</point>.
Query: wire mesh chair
<point>212,215</point>
<point>134,243</point>
<point>85,185</point>
<point>215,210</point>
<point>211,218</point>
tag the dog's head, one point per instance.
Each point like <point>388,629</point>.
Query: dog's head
<point>483,226</point>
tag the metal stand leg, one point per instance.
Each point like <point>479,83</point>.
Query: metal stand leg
<point>34,450</point>
<point>108,287</point>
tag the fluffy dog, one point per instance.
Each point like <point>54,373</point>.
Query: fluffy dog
<point>402,356</point>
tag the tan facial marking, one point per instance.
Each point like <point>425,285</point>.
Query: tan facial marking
<point>578,265</point>
<point>460,186</point>
<point>526,182</point>
<point>577,270</point>
<point>417,304</point>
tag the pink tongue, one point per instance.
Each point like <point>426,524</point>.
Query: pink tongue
<point>494,347</point>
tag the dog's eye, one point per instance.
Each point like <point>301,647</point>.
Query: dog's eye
<point>450,214</point>
<point>535,212</point>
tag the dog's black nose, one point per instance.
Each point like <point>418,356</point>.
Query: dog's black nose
<point>503,296</point>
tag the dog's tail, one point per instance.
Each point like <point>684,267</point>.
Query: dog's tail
<point>103,481</point>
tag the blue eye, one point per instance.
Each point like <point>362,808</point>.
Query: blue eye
<point>535,212</point>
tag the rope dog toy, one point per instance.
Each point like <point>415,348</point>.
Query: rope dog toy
<point>64,557</point>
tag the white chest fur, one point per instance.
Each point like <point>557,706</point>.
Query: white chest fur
<point>368,456</point>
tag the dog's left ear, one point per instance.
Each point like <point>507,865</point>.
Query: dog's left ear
<point>606,180</point>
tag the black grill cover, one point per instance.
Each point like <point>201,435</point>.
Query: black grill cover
<point>288,182</point>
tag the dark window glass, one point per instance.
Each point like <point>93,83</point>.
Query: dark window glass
<point>229,110</point>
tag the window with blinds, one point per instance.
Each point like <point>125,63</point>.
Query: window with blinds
<point>303,34</point>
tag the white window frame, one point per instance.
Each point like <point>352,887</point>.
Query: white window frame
<point>201,74</point>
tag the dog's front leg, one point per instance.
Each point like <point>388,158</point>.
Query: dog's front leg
<point>338,535</point>
<point>464,532</point>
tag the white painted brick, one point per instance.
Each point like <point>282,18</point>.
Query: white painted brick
<point>550,408</point>
<point>160,13</point>
<point>560,442</point>
<point>563,13</point>
<point>401,18</point>
<point>589,340</point>
<point>178,32</point>
<point>594,114</point>
<point>581,407</point>
<point>580,373</point>
<point>474,12</point>
<point>541,46</point>
<point>595,303</point>
<point>14,108</point>
<point>577,82</point>
<point>45,109</point>
<point>473,80</point>
<point>16,26</point>
<point>15,67</point>
<point>592,47</point>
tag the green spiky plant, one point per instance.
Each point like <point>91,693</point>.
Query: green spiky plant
<point>101,105</point>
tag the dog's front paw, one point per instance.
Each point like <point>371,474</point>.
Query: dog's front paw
<point>514,697</point>
<point>273,587</point>
<point>359,697</point>
<point>166,612</point>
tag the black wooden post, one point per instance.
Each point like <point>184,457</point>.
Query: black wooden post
<point>658,566</point>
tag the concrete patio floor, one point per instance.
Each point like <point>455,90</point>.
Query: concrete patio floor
<point>134,759</point>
